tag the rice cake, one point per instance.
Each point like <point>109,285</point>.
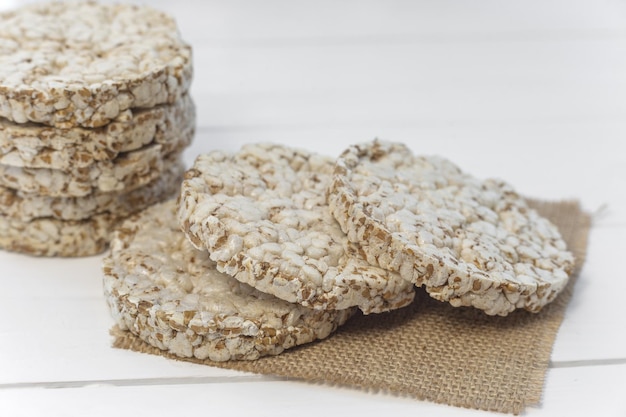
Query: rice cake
<point>262,215</point>
<point>170,294</point>
<point>469,242</point>
<point>69,64</point>
<point>28,206</point>
<point>32,145</point>
<point>128,171</point>
<point>53,237</point>
<point>48,236</point>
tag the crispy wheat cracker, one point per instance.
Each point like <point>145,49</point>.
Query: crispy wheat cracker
<point>170,294</point>
<point>262,215</point>
<point>69,64</point>
<point>32,145</point>
<point>468,242</point>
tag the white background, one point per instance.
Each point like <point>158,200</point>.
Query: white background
<point>533,92</point>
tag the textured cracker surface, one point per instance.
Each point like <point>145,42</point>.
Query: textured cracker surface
<point>81,64</point>
<point>32,145</point>
<point>469,242</point>
<point>28,206</point>
<point>52,237</point>
<point>263,217</point>
<point>127,171</point>
<point>48,236</point>
<point>170,294</point>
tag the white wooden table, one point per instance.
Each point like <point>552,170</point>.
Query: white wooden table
<point>533,92</point>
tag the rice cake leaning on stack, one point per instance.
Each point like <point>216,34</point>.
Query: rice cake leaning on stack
<point>262,215</point>
<point>94,116</point>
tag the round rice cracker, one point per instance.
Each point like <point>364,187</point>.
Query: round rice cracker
<point>170,294</point>
<point>31,145</point>
<point>262,215</point>
<point>81,64</point>
<point>52,237</point>
<point>468,242</point>
<point>29,206</point>
<point>128,171</point>
<point>48,236</point>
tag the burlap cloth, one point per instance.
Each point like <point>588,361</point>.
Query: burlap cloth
<point>432,351</point>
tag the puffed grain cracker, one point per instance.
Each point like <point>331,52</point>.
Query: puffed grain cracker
<point>28,206</point>
<point>468,242</point>
<point>68,64</point>
<point>32,145</point>
<point>53,237</point>
<point>126,172</point>
<point>262,215</point>
<point>49,236</point>
<point>170,294</point>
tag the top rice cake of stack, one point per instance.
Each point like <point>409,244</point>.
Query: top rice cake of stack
<point>94,116</point>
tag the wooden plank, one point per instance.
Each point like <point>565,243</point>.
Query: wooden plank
<point>252,22</point>
<point>595,316</point>
<point>571,391</point>
<point>582,66</point>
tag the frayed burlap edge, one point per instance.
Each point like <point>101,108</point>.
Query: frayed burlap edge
<point>430,350</point>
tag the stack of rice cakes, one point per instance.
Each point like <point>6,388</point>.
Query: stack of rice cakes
<point>94,116</point>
